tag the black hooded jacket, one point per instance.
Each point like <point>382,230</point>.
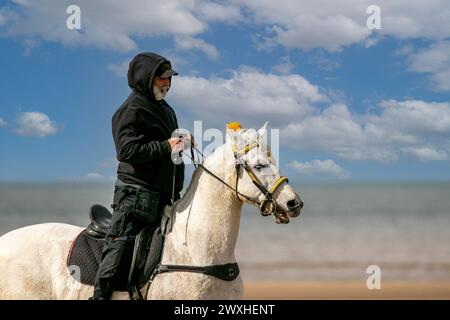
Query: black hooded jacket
<point>141,127</point>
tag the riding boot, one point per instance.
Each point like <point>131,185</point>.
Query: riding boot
<point>103,289</point>
<point>113,267</point>
<point>134,292</point>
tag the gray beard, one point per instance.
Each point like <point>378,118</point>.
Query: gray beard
<point>160,92</point>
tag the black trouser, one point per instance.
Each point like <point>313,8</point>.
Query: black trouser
<point>133,210</point>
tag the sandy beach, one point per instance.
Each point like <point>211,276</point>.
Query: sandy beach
<point>346,290</point>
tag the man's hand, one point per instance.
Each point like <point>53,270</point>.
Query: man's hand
<point>182,142</point>
<point>176,144</point>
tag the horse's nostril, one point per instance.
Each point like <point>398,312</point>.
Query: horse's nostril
<point>294,204</point>
<point>301,204</point>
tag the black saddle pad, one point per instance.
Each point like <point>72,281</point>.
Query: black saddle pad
<point>86,252</point>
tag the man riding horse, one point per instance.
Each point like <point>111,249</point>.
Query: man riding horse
<point>147,178</point>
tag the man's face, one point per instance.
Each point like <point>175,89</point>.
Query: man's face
<point>160,87</point>
<point>161,82</point>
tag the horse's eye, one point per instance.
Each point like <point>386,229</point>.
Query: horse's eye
<point>259,166</point>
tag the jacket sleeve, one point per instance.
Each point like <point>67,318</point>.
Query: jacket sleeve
<point>131,145</point>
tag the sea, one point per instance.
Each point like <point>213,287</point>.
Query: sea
<point>345,230</point>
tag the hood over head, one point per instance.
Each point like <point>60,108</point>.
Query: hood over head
<point>142,70</point>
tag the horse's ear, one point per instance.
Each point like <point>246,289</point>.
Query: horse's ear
<point>228,135</point>
<point>232,131</point>
<point>262,131</point>
<point>232,135</point>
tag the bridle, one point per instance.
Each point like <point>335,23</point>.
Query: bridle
<point>266,207</point>
<point>269,205</point>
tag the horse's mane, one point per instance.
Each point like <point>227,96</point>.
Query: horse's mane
<point>187,197</point>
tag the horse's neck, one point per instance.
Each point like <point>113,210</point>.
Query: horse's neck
<point>207,221</point>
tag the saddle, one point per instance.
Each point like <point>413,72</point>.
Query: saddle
<point>100,221</point>
<point>86,252</point>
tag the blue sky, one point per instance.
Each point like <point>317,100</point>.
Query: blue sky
<point>351,103</point>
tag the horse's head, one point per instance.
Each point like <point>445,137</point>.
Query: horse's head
<point>258,179</point>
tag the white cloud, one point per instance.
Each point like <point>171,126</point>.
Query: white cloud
<point>393,130</point>
<point>414,116</point>
<point>211,11</point>
<point>307,24</point>
<point>300,24</point>
<point>115,24</point>
<point>284,67</point>
<point>2,122</point>
<point>303,24</point>
<point>89,177</point>
<point>35,124</point>
<point>320,167</point>
<point>108,24</point>
<point>340,31</point>
<point>334,129</point>
<point>411,128</point>
<point>120,69</point>
<point>427,154</point>
<point>323,62</point>
<point>434,60</point>
<point>247,94</point>
<point>190,43</point>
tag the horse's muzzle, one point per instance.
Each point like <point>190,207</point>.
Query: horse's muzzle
<point>294,207</point>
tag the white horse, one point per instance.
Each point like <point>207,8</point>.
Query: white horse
<point>33,258</point>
